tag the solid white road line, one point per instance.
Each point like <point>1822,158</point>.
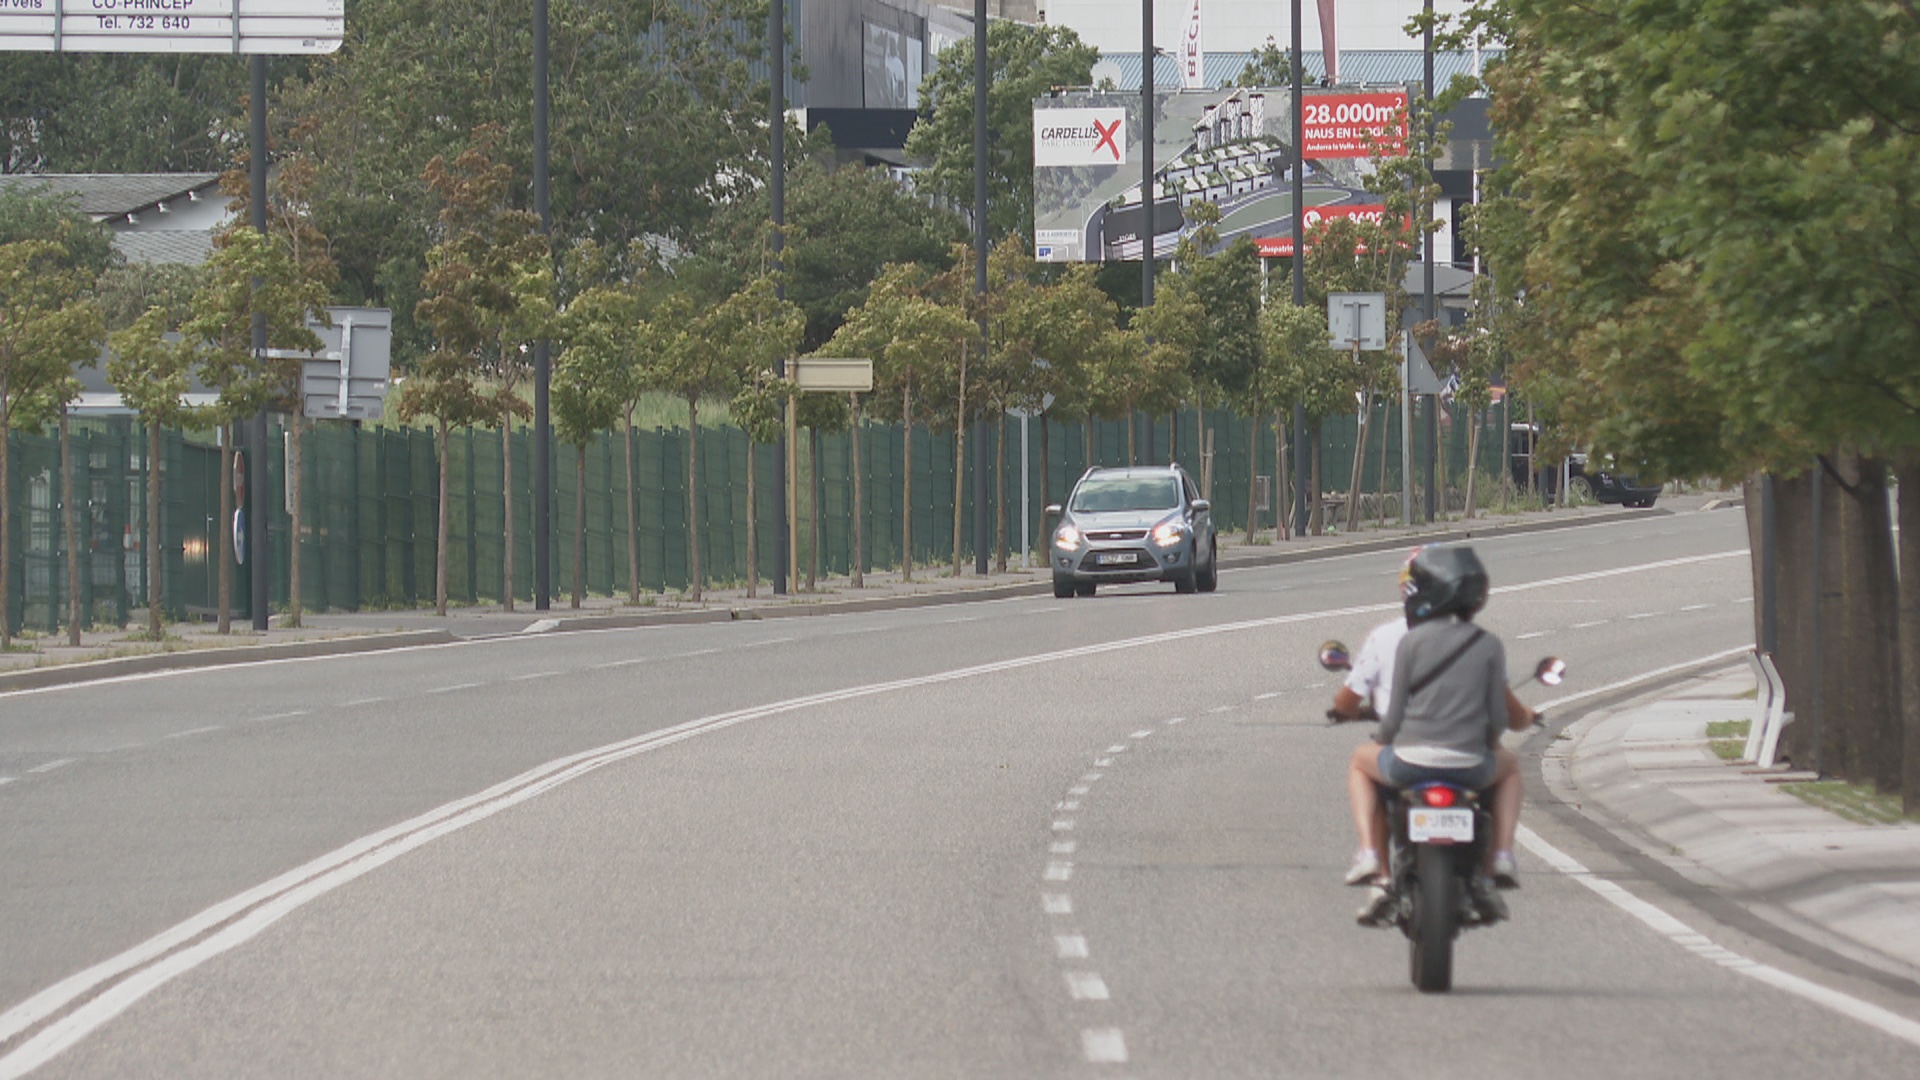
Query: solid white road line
<point>1686,937</point>
<point>80,1004</point>
<point>51,765</point>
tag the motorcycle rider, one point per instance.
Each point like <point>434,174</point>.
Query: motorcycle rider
<point>1449,729</point>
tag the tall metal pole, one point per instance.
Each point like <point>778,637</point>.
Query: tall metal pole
<point>1147,234</point>
<point>1301,469</point>
<point>1769,585</point>
<point>981,72</point>
<point>542,351</point>
<point>777,192</point>
<point>1430,453</point>
<point>258,494</point>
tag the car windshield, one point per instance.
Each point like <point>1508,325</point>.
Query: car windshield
<point>1106,494</point>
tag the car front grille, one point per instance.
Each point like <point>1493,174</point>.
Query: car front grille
<point>1118,534</point>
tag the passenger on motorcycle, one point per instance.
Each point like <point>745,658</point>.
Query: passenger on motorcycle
<point>1448,728</point>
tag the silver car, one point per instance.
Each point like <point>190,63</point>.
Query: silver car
<point>1142,523</point>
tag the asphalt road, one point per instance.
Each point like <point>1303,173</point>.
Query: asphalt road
<point>1095,837</point>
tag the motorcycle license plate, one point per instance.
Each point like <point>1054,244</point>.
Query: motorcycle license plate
<point>1425,825</point>
<point>1112,558</point>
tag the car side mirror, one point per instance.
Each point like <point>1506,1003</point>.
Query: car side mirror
<point>1201,506</point>
<point>1334,656</point>
<point>1052,510</point>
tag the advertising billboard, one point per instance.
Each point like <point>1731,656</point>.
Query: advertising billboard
<point>1229,147</point>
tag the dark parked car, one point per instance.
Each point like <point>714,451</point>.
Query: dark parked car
<point>1143,523</point>
<point>1583,479</point>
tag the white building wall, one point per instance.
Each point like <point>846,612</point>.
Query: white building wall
<point>1242,25</point>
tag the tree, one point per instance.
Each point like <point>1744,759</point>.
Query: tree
<point>751,331</point>
<point>490,282</point>
<point>689,366</point>
<point>150,367</point>
<point>109,113</point>
<point>1024,62</point>
<point>584,405</point>
<point>1757,309</point>
<point>1269,65</point>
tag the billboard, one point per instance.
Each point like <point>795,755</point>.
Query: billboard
<point>1230,147</point>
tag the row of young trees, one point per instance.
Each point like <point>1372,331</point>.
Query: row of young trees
<point>1706,237</point>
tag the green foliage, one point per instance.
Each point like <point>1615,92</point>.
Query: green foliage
<point>39,214</point>
<point>1268,66</point>
<point>250,274</point>
<point>49,325</point>
<point>108,113</point>
<point>1024,63</point>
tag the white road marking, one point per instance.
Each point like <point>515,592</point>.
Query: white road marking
<point>275,716</point>
<point>1067,805</point>
<point>1744,600</point>
<point>451,689</point>
<point>769,641</point>
<point>1139,735</point>
<point>1063,825</point>
<point>7,779</point>
<point>1101,763</point>
<point>1647,615</point>
<point>1696,607</point>
<point>623,663</point>
<point>1681,934</point>
<point>955,622</point>
<point>1086,986</point>
<point>1531,636</point>
<point>1056,903</point>
<point>1059,870</point>
<point>1587,625</point>
<point>193,731</point>
<point>1091,777</point>
<point>1078,789</point>
<point>1176,720</point>
<point>696,652</point>
<point>533,675</point>
<point>1223,708</point>
<point>1062,847</point>
<point>88,1000</point>
<point>362,701</point>
<point>1116,749</point>
<point>1104,1046</point>
<point>51,765</point>
<point>542,626</point>
<point>1070,946</point>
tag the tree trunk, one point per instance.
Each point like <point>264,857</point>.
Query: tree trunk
<point>1473,457</point>
<point>1869,626</point>
<point>223,569</point>
<point>296,521</point>
<point>579,525</point>
<point>753,541</point>
<point>906,485</point>
<point>1380,479</point>
<point>1282,482</point>
<point>693,497</point>
<point>633,521</point>
<point>1253,478</point>
<point>1907,474</point>
<point>959,458</point>
<point>69,532</point>
<point>858,564</point>
<point>1359,463</point>
<point>1087,438</point>
<point>6,529</point>
<point>1046,495</point>
<point>1132,422</point>
<point>813,514</point>
<point>1000,497</point>
<point>155,596</point>
<point>506,504</point>
<point>440,531</point>
<point>1316,509</point>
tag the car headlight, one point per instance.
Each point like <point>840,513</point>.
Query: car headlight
<point>1066,538</point>
<point>1168,533</point>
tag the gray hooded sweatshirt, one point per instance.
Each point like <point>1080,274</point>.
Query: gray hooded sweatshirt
<point>1456,719</point>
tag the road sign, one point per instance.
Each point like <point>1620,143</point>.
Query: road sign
<point>819,373</point>
<point>269,27</point>
<point>347,378</point>
<point>1357,321</point>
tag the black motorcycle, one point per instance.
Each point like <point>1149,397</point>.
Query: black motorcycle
<point>1437,841</point>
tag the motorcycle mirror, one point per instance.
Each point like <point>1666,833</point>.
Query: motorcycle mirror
<point>1334,656</point>
<point>1550,671</point>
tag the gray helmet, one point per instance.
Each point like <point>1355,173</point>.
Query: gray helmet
<point>1444,579</point>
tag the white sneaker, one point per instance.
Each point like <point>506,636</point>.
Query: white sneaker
<point>1506,873</point>
<point>1378,910</point>
<point>1366,867</point>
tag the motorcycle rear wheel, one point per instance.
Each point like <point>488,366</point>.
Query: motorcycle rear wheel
<point>1436,910</point>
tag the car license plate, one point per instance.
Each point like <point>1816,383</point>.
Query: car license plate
<point>1427,825</point>
<point>1115,558</point>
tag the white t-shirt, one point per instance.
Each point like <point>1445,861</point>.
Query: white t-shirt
<point>1372,673</point>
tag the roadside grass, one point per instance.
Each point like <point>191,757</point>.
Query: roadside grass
<point>1858,803</point>
<point>1728,738</point>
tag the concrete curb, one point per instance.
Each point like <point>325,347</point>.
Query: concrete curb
<point>91,670</point>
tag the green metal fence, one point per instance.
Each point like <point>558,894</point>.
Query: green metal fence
<point>370,505</point>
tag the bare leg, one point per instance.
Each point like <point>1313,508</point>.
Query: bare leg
<point>1363,772</point>
<point>1506,802</point>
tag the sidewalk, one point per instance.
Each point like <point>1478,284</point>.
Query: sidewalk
<point>1853,888</point>
<point>103,651</point>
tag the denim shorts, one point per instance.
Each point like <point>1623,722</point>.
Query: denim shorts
<point>1401,774</point>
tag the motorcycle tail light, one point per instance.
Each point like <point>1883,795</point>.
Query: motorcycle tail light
<point>1441,797</point>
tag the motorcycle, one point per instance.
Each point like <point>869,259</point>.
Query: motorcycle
<point>1437,841</point>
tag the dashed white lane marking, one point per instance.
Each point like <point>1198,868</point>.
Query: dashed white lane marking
<point>362,701</point>
<point>1696,607</point>
<point>1070,946</point>
<point>1101,763</point>
<point>1078,789</point>
<point>1268,696</point>
<point>1087,986</point>
<point>1091,777</point>
<point>697,652</point>
<point>623,663</point>
<point>275,716</point>
<point>1586,625</point>
<point>453,688</point>
<point>1684,936</point>
<point>769,641</point>
<point>1067,805</point>
<point>1063,825</point>
<point>1056,903</point>
<point>193,731</point>
<point>51,765</point>
<point>1059,870</point>
<point>1139,735</point>
<point>1176,720</point>
<point>1104,1046</point>
<point>1647,615</point>
<point>533,675</point>
<point>1062,847</point>
<point>955,622</point>
<point>1530,636</point>
<point>1744,600</point>
<point>1223,708</point>
<point>7,779</point>
<point>1116,750</point>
